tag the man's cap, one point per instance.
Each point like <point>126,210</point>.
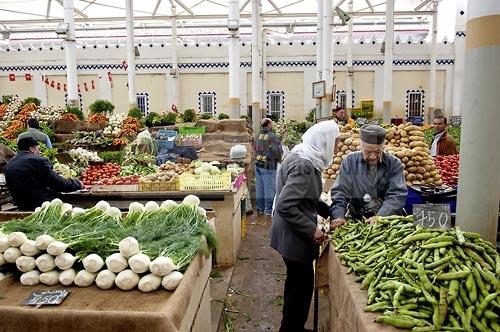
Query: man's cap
<point>25,143</point>
<point>373,134</point>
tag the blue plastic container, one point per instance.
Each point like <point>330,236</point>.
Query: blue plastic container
<point>414,197</point>
<point>165,139</point>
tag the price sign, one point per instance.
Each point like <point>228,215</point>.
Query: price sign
<point>318,89</point>
<point>48,297</point>
<point>456,121</point>
<point>432,215</point>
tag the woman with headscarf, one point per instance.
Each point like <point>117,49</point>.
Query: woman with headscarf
<point>294,231</point>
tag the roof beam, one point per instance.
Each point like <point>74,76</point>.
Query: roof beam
<point>79,12</point>
<point>275,7</point>
<point>156,7</point>
<point>216,3</point>
<point>197,17</point>
<point>370,5</point>
<point>425,2</point>
<point>186,8</point>
<point>244,5</point>
<point>48,9</point>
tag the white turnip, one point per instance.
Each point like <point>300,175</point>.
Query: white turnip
<point>116,263</point>
<point>30,278</point>
<point>67,277</point>
<point>45,263</point>
<point>10,255</point>
<point>16,239</point>
<point>128,247</point>
<point>43,241</point>
<point>127,280</point>
<point>172,280</point>
<point>25,263</point>
<point>93,263</point>
<point>50,278</point>
<point>65,261</point>
<point>105,279</point>
<point>139,263</point>
<point>29,248</point>
<point>84,278</point>
<point>161,266</point>
<point>56,248</point>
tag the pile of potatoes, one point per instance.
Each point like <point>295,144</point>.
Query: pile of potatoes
<point>419,167</point>
<point>349,141</point>
<point>405,136</point>
<point>406,141</point>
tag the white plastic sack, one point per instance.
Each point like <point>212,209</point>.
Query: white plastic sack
<point>238,152</point>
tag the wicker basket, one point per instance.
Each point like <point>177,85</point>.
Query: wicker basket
<point>190,182</point>
<point>172,185</point>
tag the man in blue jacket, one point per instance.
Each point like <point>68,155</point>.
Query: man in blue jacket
<point>268,154</point>
<point>31,179</point>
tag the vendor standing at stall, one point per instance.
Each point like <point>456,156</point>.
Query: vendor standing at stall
<point>294,231</point>
<point>31,179</point>
<point>370,182</point>
<point>442,143</point>
<point>35,133</point>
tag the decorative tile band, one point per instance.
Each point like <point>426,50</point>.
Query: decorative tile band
<point>460,34</point>
<point>206,65</point>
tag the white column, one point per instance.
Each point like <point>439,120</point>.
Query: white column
<point>388,55</point>
<point>432,74</point>
<point>70,47</point>
<point>234,59</point>
<point>104,90</point>
<point>378,92</point>
<point>350,70</point>
<point>309,78</point>
<point>256,66</point>
<point>448,92</point>
<point>264,72</point>
<point>132,98</point>
<point>319,52</point>
<point>174,73</point>
<point>244,102</point>
<point>479,176</point>
<point>459,65</point>
<point>39,88</point>
<point>327,61</point>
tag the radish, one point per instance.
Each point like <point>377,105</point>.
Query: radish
<point>172,280</point>
<point>16,239</point>
<point>105,279</point>
<point>67,277</point>
<point>43,241</point>
<point>56,248</point>
<point>25,263</point>
<point>128,247</point>
<point>30,278</point>
<point>191,200</point>
<point>127,280</point>
<point>161,266</point>
<point>116,263</point>
<point>93,263</point>
<point>139,263</point>
<point>45,263</point>
<point>28,248</point>
<point>4,242</point>
<point>149,283</point>
<point>10,255</point>
<point>50,278</point>
<point>84,278</point>
<point>65,261</point>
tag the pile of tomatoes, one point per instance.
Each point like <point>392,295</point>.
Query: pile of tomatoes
<point>448,168</point>
<point>96,173</point>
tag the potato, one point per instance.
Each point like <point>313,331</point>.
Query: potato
<point>400,154</point>
<point>397,137</point>
<point>412,169</point>
<point>344,148</point>
<point>426,175</point>
<point>341,144</point>
<point>416,163</point>
<point>427,168</point>
<point>355,142</point>
<point>348,141</point>
<point>404,145</point>
<point>405,173</point>
<point>410,127</point>
<point>409,153</point>
<point>416,138</point>
<point>405,140</point>
<point>337,160</point>
<point>347,151</point>
<point>410,163</point>
<point>335,167</point>
<point>416,182</point>
<point>352,147</point>
<point>405,159</point>
<point>420,170</point>
<point>330,171</point>
<point>393,141</point>
<point>417,133</point>
<point>417,144</point>
<point>411,177</point>
<point>340,154</point>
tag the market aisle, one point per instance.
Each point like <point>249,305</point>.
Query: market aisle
<point>255,296</point>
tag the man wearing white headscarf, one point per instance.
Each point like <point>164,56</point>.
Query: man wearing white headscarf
<point>294,232</point>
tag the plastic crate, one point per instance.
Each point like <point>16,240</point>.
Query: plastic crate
<point>191,130</point>
<point>159,186</point>
<point>189,182</point>
<point>195,140</point>
<point>165,139</point>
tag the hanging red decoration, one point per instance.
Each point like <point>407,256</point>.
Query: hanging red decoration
<point>93,85</point>
<point>65,89</point>
<point>58,86</point>
<point>52,84</point>
<point>12,77</point>
<point>110,76</point>
<point>27,77</point>
<point>85,86</point>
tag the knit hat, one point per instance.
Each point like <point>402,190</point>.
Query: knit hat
<point>373,134</point>
<point>25,143</point>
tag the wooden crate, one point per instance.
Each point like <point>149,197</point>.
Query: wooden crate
<point>114,188</point>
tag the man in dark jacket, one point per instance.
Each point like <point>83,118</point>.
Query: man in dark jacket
<point>268,154</point>
<point>442,143</point>
<point>371,182</point>
<point>31,179</point>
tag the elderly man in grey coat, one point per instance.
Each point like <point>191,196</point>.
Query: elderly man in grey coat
<point>370,182</point>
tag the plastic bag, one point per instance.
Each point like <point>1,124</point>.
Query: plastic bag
<point>238,152</point>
